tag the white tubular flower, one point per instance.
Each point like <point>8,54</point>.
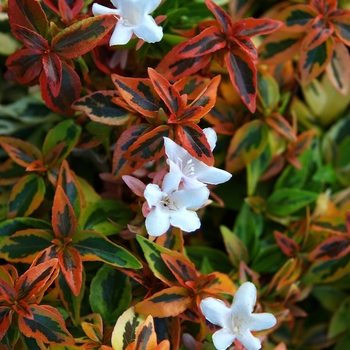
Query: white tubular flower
<point>191,171</point>
<point>134,19</point>
<point>238,320</point>
<point>176,208</point>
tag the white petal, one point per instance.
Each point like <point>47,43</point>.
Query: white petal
<point>142,6</point>
<point>211,137</point>
<point>250,342</point>
<point>174,151</point>
<point>148,30</point>
<point>244,300</point>
<point>223,338</point>
<point>157,222</point>
<point>190,199</point>
<point>186,220</point>
<point>153,194</point>
<point>213,176</point>
<point>216,312</point>
<point>121,34</point>
<point>98,9</point>
<point>171,181</point>
<point>258,322</point>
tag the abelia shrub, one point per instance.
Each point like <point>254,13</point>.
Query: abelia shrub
<point>174,174</point>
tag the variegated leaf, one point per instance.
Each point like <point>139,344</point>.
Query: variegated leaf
<point>169,302</point>
<point>192,138</point>
<point>247,144</point>
<point>26,196</point>
<point>242,73</point>
<point>10,172</point>
<point>30,38</point>
<point>30,14</point>
<point>21,152</point>
<point>121,165</point>
<point>334,247</point>
<point>71,267</point>
<point>313,62</point>
<point>208,41</point>
<point>67,180</point>
<point>93,246</point>
<point>139,94</point>
<point>281,126</point>
<point>297,18</point>
<point>67,132</point>
<point>287,245</point>
<point>24,246</point>
<point>46,325</point>
<point>69,91</point>
<point>100,108</point>
<point>63,218</point>
<point>82,36</point>
<point>52,69</point>
<point>36,279</point>
<point>149,146</point>
<point>259,26</point>
<point>221,16</point>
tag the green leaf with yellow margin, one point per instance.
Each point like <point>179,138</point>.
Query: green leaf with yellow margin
<point>110,293</point>
<point>125,329</point>
<point>93,246</point>
<point>26,196</point>
<point>247,144</point>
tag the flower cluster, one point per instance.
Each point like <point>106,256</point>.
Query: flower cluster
<point>238,320</point>
<point>183,189</point>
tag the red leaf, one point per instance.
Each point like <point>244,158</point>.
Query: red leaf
<point>242,73</point>
<point>28,13</point>
<point>333,247</point>
<point>122,166</point>
<point>31,39</point>
<point>182,269</point>
<point>7,292</point>
<point>317,34</point>
<point>207,42</point>
<point>222,17</point>
<point>25,66</point>
<point>173,67</point>
<point>81,37</point>
<point>63,217</point>
<point>69,92</point>
<point>287,245</point>
<point>36,279</point>
<point>5,320</point>
<point>259,26</point>
<point>72,268</point>
<point>136,185</point>
<point>149,146</point>
<point>192,138</point>
<point>166,92</point>
<point>53,72</point>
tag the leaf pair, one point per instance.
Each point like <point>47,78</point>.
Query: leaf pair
<point>50,64</point>
<point>227,42</point>
<point>21,296</point>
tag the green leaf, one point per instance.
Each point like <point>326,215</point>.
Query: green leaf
<point>340,320</point>
<point>110,293</point>
<point>286,201</point>
<point>26,196</point>
<point>268,91</point>
<point>67,132</point>
<point>93,246</point>
<point>106,216</point>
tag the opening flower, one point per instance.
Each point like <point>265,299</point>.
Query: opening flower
<point>176,208</point>
<point>191,171</point>
<point>134,18</point>
<point>238,320</point>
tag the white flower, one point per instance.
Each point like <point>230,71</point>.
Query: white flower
<point>134,19</point>
<point>191,171</point>
<point>173,207</point>
<point>238,320</point>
